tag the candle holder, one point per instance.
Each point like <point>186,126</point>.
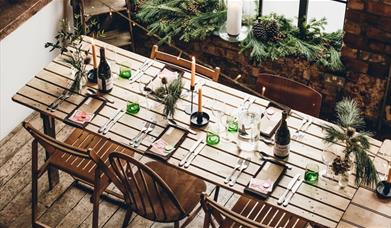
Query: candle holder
<point>190,108</point>
<point>92,75</point>
<point>199,119</point>
<point>383,190</point>
<point>244,31</point>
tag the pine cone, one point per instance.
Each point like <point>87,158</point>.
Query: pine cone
<point>272,29</point>
<point>259,31</point>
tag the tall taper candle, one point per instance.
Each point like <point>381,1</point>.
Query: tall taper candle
<point>93,53</point>
<point>193,71</point>
<point>200,99</point>
<point>234,17</point>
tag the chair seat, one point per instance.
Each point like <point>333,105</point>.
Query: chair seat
<point>266,214</point>
<point>185,187</point>
<point>84,169</point>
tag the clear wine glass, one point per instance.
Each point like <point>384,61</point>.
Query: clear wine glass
<point>219,109</point>
<point>145,91</point>
<point>328,155</point>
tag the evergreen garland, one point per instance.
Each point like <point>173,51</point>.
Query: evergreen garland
<point>187,20</point>
<point>348,119</point>
<point>198,19</point>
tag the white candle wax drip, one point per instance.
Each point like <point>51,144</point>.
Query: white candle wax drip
<point>234,17</point>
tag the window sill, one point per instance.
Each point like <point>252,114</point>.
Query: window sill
<point>13,15</point>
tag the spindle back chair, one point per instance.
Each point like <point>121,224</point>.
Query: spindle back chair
<point>146,193</point>
<point>291,93</point>
<point>250,213</point>
<point>213,74</point>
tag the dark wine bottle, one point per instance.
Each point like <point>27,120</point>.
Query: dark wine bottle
<point>282,139</point>
<point>105,79</point>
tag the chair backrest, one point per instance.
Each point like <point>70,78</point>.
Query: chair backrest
<point>184,63</point>
<point>216,212</point>
<point>51,144</point>
<point>144,191</point>
<point>291,93</point>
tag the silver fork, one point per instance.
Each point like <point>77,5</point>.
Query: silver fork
<point>139,133</point>
<point>305,128</point>
<point>240,162</point>
<point>66,96</point>
<point>297,132</point>
<point>244,166</point>
<point>149,130</point>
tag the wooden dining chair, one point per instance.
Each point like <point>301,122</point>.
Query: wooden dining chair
<point>290,93</point>
<point>250,213</point>
<point>154,190</point>
<point>72,157</point>
<point>213,74</point>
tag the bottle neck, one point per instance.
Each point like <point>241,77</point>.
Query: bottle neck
<point>102,55</point>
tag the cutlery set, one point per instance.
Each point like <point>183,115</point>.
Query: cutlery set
<point>291,189</point>
<point>110,122</point>
<point>143,133</point>
<point>59,100</point>
<point>240,167</point>
<point>141,70</point>
<point>193,152</point>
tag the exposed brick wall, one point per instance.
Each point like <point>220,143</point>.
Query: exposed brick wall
<point>367,52</point>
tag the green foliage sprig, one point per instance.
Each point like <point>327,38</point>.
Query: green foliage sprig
<point>70,42</point>
<point>186,20</point>
<point>357,144</point>
<point>168,94</point>
<point>309,42</point>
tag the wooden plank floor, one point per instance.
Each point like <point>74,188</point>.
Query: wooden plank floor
<point>66,205</point>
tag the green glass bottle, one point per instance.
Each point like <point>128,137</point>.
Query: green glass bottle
<point>282,138</point>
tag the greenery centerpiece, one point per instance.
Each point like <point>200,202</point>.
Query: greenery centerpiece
<point>355,145</point>
<point>197,19</point>
<point>70,43</point>
<point>168,94</point>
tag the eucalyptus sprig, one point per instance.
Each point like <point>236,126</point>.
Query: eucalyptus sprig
<point>348,120</point>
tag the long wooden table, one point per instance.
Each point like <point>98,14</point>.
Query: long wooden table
<point>324,203</point>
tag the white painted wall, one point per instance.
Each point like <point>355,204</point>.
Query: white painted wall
<point>22,55</point>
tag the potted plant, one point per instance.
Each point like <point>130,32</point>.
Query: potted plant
<point>355,145</point>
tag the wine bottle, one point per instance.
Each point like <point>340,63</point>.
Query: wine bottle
<point>282,139</point>
<point>105,79</point>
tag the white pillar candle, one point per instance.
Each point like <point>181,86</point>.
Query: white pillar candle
<point>234,17</point>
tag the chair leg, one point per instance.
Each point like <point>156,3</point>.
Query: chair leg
<point>34,185</point>
<point>95,210</point>
<point>127,218</point>
<point>176,224</point>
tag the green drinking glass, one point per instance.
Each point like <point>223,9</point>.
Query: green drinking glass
<point>232,124</point>
<point>132,107</point>
<point>125,71</point>
<point>311,174</point>
<point>212,138</point>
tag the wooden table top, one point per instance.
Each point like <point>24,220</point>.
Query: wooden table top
<point>324,202</point>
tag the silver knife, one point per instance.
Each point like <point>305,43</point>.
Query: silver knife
<point>199,149</point>
<point>290,185</point>
<point>191,150</point>
<point>140,68</point>
<point>141,73</point>
<point>111,124</point>
<point>109,120</point>
<point>294,189</point>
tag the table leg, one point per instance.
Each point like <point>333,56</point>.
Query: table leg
<point>49,128</point>
<point>216,196</point>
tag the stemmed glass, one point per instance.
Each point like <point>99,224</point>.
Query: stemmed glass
<point>386,162</point>
<point>328,155</point>
<point>145,91</point>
